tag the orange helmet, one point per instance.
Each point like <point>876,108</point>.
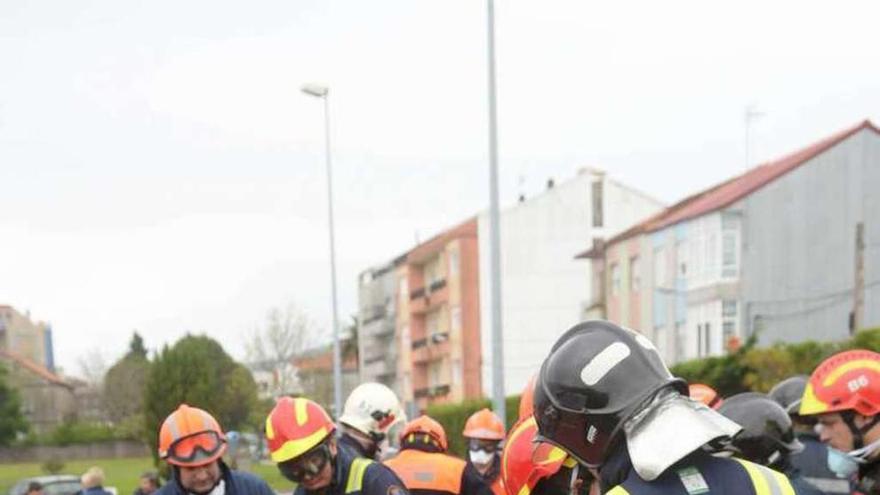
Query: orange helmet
<point>846,381</point>
<point>295,426</point>
<point>524,463</point>
<point>191,437</point>
<point>484,425</point>
<point>428,426</point>
<point>527,399</point>
<point>705,394</point>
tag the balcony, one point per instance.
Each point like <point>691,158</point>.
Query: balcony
<point>373,313</point>
<point>424,299</point>
<point>429,392</point>
<point>430,349</point>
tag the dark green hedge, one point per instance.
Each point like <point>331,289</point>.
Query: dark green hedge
<point>758,369</point>
<point>454,416</point>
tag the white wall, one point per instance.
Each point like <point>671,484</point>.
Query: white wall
<point>543,286</point>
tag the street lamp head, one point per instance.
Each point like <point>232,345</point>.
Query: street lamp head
<point>315,90</point>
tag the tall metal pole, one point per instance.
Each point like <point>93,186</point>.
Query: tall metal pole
<point>337,354</point>
<point>494,227</point>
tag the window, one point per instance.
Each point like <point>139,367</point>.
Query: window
<point>597,204</point>
<point>432,271</point>
<point>680,342</point>
<point>453,263</point>
<point>435,370</point>
<point>729,266</point>
<point>728,331</point>
<point>681,258</point>
<point>728,308</point>
<point>432,323</point>
<point>660,267</point>
<point>615,279</point>
<point>635,274</point>
<point>456,372</point>
<point>707,339</point>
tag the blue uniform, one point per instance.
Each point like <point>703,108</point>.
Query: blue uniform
<point>235,483</point>
<point>699,473</point>
<point>812,463</point>
<point>359,476</point>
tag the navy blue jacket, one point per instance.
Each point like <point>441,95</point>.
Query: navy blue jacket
<point>812,463</point>
<point>699,472</point>
<point>237,483</point>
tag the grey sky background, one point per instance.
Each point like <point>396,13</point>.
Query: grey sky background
<point>161,171</point>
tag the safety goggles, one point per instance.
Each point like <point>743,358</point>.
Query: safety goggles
<point>488,446</point>
<point>201,446</point>
<point>307,465</point>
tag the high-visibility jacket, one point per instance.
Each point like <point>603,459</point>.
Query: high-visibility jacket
<point>702,473</point>
<point>435,473</point>
<point>360,476</point>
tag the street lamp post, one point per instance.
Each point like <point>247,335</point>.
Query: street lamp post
<point>494,227</point>
<point>322,92</point>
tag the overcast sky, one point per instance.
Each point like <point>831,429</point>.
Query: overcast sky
<point>160,170</point>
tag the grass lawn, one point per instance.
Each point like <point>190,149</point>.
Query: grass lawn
<point>121,473</point>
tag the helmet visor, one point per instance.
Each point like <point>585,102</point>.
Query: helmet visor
<point>202,446</point>
<point>307,465</point>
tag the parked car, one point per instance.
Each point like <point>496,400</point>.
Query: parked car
<point>58,484</point>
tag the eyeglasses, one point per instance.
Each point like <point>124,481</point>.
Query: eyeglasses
<point>308,465</point>
<point>201,446</point>
<point>488,446</point>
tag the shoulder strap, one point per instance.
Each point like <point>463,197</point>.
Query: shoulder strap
<point>767,481</point>
<point>356,474</point>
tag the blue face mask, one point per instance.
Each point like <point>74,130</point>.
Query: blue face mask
<point>841,463</point>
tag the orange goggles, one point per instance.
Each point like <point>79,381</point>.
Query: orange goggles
<point>199,447</point>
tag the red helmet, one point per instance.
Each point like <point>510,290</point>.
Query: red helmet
<point>524,463</point>
<point>295,426</point>
<point>484,425</point>
<point>428,426</point>
<point>191,437</point>
<point>705,394</point>
<point>846,381</point>
<point>527,399</point>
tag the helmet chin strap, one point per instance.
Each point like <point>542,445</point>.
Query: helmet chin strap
<point>849,417</point>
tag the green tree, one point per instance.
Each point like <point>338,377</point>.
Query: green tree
<point>124,387</point>
<point>197,371</point>
<point>12,420</point>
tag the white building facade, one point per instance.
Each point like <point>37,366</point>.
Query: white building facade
<point>544,289</point>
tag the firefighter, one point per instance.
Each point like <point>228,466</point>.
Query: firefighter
<point>530,468</point>
<point>301,442</point>
<point>192,443</point>
<point>606,398</point>
<point>767,437</point>
<point>370,411</point>
<point>484,433</point>
<point>812,462</point>
<point>426,468</point>
<point>843,393</point>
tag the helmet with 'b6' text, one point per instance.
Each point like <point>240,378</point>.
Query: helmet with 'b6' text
<point>603,384</point>
<point>846,381</point>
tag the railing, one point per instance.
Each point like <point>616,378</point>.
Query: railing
<point>437,284</point>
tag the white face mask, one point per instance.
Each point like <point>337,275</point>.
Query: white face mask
<point>480,457</point>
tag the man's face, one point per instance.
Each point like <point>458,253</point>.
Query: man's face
<point>200,479</point>
<point>834,431</point>
<point>312,470</point>
<point>147,486</point>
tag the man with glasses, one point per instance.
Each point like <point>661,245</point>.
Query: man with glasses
<point>301,442</point>
<point>192,443</point>
<point>484,432</point>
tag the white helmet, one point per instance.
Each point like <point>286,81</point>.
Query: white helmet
<point>372,408</point>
